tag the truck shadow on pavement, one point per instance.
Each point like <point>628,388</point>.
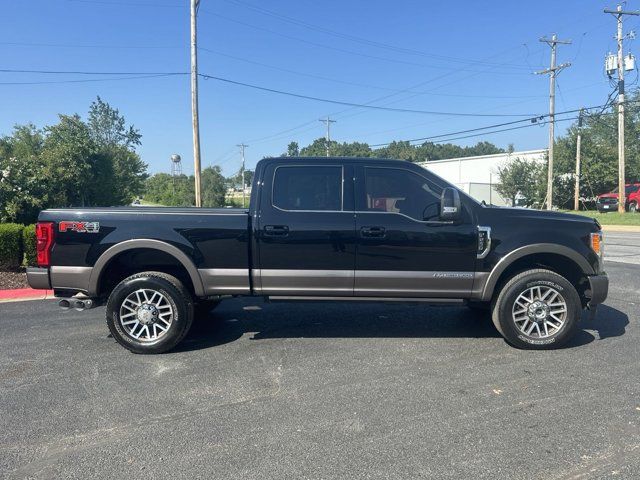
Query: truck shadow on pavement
<point>235,318</point>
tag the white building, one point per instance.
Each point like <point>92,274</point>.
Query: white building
<point>478,176</point>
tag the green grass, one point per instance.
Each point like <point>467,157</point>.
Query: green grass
<point>612,218</point>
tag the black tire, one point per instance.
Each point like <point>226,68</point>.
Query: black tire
<point>175,295</point>
<point>503,311</point>
<point>633,207</point>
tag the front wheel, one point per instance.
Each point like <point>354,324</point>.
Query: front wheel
<point>633,207</point>
<point>537,309</point>
<point>149,312</point>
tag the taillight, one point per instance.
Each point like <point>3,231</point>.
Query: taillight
<point>44,242</point>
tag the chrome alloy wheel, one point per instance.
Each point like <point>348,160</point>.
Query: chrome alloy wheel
<point>146,315</point>
<point>540,311</point>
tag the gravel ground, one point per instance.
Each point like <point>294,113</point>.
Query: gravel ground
<point>13,280</point>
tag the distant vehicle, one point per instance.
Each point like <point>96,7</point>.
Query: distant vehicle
<point>136,201</point>
<point>325,229</point>
<point>608,202</point>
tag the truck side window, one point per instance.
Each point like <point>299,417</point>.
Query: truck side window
<point>308,188</point>
<point>401,191</point>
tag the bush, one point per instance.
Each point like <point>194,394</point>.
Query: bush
<point>10,245</point>
<point>29,245</point>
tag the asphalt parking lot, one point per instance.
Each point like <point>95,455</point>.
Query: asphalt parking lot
<point>323,391</point>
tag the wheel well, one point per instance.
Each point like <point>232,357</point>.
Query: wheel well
<point>138,260</point>
<point>550,261</point>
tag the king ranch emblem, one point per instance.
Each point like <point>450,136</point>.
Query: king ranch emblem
<point>79,227</point>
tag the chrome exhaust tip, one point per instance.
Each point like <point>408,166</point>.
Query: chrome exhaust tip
<point>64,304</point>
<point>79,305</point>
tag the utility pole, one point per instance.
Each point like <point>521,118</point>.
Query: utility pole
<point>553,71</point>
<point>327,121</point>
<point>244,188</point>
<point>619,14</point>
<point>576,196</point>
<point>194,100</point>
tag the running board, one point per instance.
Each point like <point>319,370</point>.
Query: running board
<point>433,301</point>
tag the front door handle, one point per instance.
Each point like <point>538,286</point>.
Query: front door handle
<point>372,232</point>
<point>276,230</point>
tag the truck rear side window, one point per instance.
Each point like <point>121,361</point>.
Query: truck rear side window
<point>316,188</point>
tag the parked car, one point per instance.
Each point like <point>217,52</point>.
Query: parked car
<point>319,229</point>
<point>608,202</point>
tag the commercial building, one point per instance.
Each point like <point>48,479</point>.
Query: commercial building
<point>478,176</point>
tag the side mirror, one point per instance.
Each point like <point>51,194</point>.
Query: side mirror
<point>450,209</point>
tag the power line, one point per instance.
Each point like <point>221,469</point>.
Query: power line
<point>362,105</point>
<point>88,80</point>
<point>365,41</point>
<point>356,84</point>
<point>342,50</point>
<point>82,72</point>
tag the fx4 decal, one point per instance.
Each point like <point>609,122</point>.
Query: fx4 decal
<point>79,227</point>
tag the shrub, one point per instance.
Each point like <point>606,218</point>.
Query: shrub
<point>29,245</point>
<point>10,245</point>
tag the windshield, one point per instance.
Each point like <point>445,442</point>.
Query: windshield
<point>628,189</point>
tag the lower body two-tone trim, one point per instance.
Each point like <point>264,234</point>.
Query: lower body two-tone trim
<point>362,283</point>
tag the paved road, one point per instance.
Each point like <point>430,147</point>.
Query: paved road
<point>263,391</point>
<point>622,247</point>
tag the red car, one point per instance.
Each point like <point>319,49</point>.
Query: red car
<point>608,202</point>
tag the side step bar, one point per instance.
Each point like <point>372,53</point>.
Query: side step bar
<point>432,301</point>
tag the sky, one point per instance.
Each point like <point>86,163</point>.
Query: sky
<point>465,57</point>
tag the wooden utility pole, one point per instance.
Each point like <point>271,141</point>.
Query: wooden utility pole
<point>553,71</point>
<point>576,195</point>
<point>327,121</point>
<point>194,100</point>
<point>619,14</point>
<point>244,186</point>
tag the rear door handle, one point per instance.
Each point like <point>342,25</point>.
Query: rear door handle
<point>372,232</point>
<point>276,230</point>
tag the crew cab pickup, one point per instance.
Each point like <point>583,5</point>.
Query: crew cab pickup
<point>327,229</point>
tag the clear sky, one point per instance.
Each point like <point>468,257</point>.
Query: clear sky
<point>466,56</point>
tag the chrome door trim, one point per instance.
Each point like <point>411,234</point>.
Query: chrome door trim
<point>303,282</point>
<point>225,281</point>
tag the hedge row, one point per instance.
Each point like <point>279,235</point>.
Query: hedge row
<point>17,245</point>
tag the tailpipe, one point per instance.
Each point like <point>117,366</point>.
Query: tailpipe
<point>78,304</point>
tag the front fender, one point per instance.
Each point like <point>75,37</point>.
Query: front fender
<point>537,248</point>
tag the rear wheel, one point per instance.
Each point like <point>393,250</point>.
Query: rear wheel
<point>537,309</point>
<point>149,312</point>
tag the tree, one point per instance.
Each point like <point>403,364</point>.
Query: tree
<point>292,150</point>
<point>70,163</point>
<point>214,187</point>
<point>23,186</point>
<point>523,177</point>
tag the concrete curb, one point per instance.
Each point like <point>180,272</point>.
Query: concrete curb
<point>621,228</point>
<point>23,294</point>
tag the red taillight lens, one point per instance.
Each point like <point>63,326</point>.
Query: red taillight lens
<point>44,242</point>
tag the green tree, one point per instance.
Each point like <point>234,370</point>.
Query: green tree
<point>523,177</point>
<point>292,150</point>
<point>23,185</point>
<point>214,187</point>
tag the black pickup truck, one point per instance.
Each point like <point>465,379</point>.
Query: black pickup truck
<point>325,229</point>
